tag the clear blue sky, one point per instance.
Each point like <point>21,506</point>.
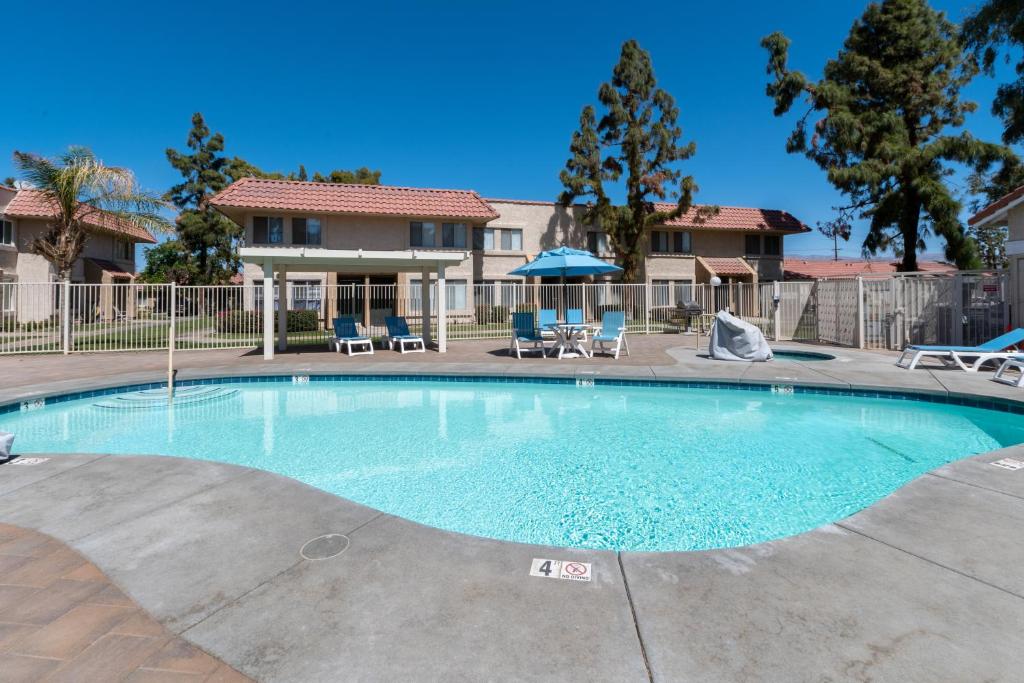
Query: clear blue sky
<point>468,95</point>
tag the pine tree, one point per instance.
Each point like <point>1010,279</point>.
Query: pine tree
<point>637,137</point>
<point>885,103</point>
<point>205,236</point>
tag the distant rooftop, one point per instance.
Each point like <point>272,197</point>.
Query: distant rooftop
<point>812,269</point>
<point>35,204</point>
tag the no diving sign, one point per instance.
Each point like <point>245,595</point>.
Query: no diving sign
<point>560,569</point>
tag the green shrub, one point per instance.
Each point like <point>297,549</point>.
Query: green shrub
<point>236,321</point>
<point>486,315</point>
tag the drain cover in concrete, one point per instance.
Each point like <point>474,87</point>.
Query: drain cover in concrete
<point>324,547</point>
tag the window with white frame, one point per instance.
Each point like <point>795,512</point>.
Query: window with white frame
<point>660,292</point>
<point>124,250</point>
<point>8,293</point>
<point>483,239</point>
<point>6,232</point>
<point>453,235</point>
<point>267,230</point>
<point>683,291</point>
<point>659,242</point>
<point>306,231</point>
<point>511,239</point>
<point>306,295</point>
<point>597,242</point>
<point>454,293</point>
<point>422,234</point>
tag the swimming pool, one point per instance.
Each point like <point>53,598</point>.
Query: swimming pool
<point>612,466</point>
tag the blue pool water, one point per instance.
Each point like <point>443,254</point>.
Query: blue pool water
<point>612,467</point>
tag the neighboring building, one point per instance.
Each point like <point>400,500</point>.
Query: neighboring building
<point>323,235</point>
<point>1009,211</point>
<point>497,235</point>
<point>816,269</point>
<point>108,256</point>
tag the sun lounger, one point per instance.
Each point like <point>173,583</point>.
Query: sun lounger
<point>398,334</point>
<point>995,349</point>
<point>346,334</point>
<point>1011,363</point>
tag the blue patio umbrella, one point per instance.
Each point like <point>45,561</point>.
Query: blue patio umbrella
<point>565,262</point>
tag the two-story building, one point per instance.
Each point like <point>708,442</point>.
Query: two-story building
<point>108,256</point>
<point>317,236</point>
<point>1008,211</point>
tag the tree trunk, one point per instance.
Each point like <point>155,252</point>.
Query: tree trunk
<point>908,229</point>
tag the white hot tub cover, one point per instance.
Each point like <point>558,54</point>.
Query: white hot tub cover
<point>734,339</point>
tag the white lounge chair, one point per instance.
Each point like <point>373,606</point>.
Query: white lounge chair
<point>398,334</point>
<point>1012,363</point>
<point>346,335</point>
<point>994,349</point>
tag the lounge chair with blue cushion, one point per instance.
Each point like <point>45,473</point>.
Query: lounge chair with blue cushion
<point>575,316</point>
<point>545,319</point>
<point>613,331</point>
<point>346,334</point>
<point>995,349</point>
<point>1011,363</point>
<point>398,333</point>
<point>525,332</point>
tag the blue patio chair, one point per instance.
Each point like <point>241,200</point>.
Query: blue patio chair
<point>545,319</point>
<point>398,334</point>
<point>346,334</point>
<point>613,331</point>
<point>525,332</point>
<point>575,316</point>
<point>994,349</point>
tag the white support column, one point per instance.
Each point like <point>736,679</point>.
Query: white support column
<point>282,308</point>
<point>268,309</point>
<point>442,311</point>
<point>425,305</point>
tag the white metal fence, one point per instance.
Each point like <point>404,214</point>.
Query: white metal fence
<point>876,312</point>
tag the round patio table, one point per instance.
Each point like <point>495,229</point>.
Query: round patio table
<point>567,339</point>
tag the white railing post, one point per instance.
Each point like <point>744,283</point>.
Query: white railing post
<point>777,304</point>
<point>172,305</point>
<point>958,311</point>
<point>647,307</point>
<point>860,312</point>
<point>65,316</point>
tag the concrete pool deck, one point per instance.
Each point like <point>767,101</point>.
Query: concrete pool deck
<point>924,585</point>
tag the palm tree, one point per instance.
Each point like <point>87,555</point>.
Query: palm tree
<point>82,189</point>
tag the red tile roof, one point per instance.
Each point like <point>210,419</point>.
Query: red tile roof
<point>35,204</point>
<point>373,200</point>
<point>737,218</point>
<point>1011,198</point>
<point>812,269</point>
<point>727,266</point>
<point>111,267</point>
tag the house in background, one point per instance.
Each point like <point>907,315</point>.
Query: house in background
<point>107,258</point>
<point>817,269</point>
<point>1008,211</point>
<point>480,240</point>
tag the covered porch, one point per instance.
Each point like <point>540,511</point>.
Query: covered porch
<point>279,261</point>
